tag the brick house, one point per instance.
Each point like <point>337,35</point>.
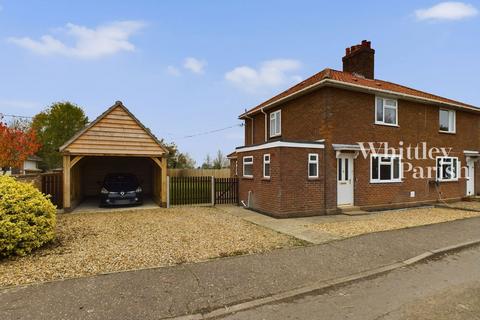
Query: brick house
<point>307,149</point>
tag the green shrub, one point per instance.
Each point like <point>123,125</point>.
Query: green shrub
<point>27,217</point>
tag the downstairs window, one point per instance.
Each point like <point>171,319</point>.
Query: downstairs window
<point>385,168</point>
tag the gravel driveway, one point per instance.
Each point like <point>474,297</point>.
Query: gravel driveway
<point>93,243</point>
<point>391,220</point>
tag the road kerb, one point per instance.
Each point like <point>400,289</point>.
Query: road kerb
<point>324,285</point>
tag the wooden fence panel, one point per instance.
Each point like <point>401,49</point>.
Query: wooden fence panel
<point>52,184</point>
<point>201,190</point>
<point>226,191</point>
<point>190,190</point>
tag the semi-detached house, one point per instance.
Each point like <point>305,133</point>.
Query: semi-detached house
<point>307,149</point>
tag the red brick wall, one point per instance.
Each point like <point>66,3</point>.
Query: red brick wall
<point>233,168</point>
<point>258,124</point>
<point>301,195</point>
<point>346,117</point>
<point>266,195</point>
<point>288,192</point>
<point>417,123</point>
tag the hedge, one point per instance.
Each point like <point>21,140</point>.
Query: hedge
<point>27,218</point>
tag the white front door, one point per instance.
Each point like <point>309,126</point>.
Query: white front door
<point>345,180</point>
<point>471,177</point>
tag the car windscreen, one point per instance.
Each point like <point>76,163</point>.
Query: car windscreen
<point>121,182</point>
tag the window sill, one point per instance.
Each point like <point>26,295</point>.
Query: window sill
<point>386,182</point>
<point>247,177</point>
<point>446,181</point>
<point>387,124</point>
<point>313,178</point>
<point>265,179</point>
<point>447,132</point>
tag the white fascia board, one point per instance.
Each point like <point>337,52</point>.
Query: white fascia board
<point>282,144</point>
<point>347,147</point>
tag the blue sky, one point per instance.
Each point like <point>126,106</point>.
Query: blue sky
<point>188,67</point>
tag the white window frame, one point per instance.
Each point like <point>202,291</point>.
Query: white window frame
<point>265,162</point>
<point>385,106</point>
<point>315,162</point>
<point>250,162</point>
<point>274,131</point>
<point>439,161</point>
<point>391,162</point>
<point>452,119</point>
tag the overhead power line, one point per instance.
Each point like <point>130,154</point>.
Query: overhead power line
<point>14,116</point>
<point>183,137</point>
<point>212,131</point>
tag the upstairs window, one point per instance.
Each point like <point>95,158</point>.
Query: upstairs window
<point>313,165</point>
<point>447,121</point>
<point>275,123</point>
<point>248,167</point>
<point>386,111</point>
<point>447,169</point>
<point>266,166</point>
<point>385,168</point>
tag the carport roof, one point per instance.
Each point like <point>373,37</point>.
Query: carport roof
<point>120,135</point>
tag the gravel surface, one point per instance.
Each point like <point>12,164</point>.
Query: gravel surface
<point>391,220</point>
<point>474,205</point>
<point>92,243</point>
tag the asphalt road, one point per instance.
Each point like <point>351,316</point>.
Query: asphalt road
<point>444,288</point>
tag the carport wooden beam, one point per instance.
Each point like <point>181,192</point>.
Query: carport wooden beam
<point>75,160</point>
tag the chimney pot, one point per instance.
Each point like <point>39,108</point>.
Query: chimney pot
<point>360,59</point>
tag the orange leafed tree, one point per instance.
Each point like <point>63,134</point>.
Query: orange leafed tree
<point>16,145</point>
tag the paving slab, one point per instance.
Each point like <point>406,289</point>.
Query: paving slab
<point>295,227</point>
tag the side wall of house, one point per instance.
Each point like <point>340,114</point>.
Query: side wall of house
<point>288,192</point>
<point>265,193</point>
<point>301,195</point>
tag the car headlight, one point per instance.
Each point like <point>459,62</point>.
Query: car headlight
<point>104,191</point>
<point>139,189</point>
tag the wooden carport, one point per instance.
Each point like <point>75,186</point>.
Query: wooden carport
<point>116,134</point>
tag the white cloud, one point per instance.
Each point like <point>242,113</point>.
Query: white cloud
<point>87,43</point>
<point>173,71</point>
<point>270,74</point>
<point>447,11</point>
<point>195,65</point>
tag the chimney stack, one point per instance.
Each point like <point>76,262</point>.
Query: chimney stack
<point>360,59</point>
